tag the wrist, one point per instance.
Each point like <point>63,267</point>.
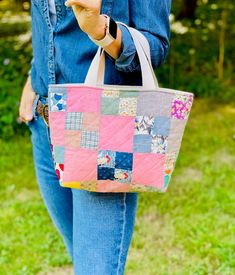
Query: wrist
<point>100,31</point>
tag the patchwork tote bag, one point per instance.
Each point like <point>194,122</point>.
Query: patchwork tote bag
<point>110,138</point>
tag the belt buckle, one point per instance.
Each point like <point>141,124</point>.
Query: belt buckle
<point>45,114</point>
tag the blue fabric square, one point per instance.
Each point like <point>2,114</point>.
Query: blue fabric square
<point>58,154</point>
<point>73,121</point>
<point>124,161</point>
<point>123,175</point>
<point>89,139</point>
<point>142,143</point>
<point>106,158</point>
<point>57,101</point>
<point>166,180</point>
<point>105,173</point>
<point>161,126</point>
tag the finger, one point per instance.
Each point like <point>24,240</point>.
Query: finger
<point>84,3</point>
<point>20,120</point>
<point>26,111</point>
<point>70,3</point>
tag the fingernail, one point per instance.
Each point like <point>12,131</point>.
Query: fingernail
<point>28,117</point>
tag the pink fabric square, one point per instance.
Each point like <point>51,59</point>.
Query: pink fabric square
<point>91,121</point>
<point>148,169</point>
<point>72,138</point>
<point>83,99</point>
<point>57,125</point>
<point>80,165</point>
<point>112,186</point>
<point>116,133</point>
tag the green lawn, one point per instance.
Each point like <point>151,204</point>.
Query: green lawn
<point>188,230</point>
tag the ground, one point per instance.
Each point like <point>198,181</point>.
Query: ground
<point>188,230</point>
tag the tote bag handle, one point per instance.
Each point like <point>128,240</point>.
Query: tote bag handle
<point>95,75</point>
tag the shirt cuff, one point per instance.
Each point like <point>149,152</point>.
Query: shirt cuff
<point>128,60</point>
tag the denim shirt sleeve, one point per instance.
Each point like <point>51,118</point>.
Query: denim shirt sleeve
<point>151,18</point>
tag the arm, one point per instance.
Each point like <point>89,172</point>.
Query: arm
<point>156,28</point>
<point>150,17</point>
<point>26,101</point>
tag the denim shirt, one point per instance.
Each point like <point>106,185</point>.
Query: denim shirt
<point>62,52</point>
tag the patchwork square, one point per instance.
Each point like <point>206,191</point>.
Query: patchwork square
<point>181,106</point>
<point>152,173</point>
<point>109,106</point>
<point>155,103</point>
<point>90,121</point>
<point>57,124</point>
<point>83,99</point>
<point>122,175</point>
<point>143,125</point>
<point>176,134</point>
<point>105,173</point>
<point>80,165</point>
<point>73,121</point>
<point>119,165</point>
<point>58,152</point>
<point>116,133</point>
<point>89,139</point>
<point>124,160</point>
<point>111,93</point>
<point>129,94</point>
<point>142,143</point>
<point>166,180</point>
<point>170,162</point>
<point>106,158</point>
<point>127,106</point>
<point>59,169</point>
<point>72,138</point>
<point>112,186</point>
<point>57,102</point>
<point>159,144</point>
<point>161,126</point>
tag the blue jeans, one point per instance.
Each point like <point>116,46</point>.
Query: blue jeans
<point>96,227</point>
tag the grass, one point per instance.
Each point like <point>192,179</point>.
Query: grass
<point>188,230</point>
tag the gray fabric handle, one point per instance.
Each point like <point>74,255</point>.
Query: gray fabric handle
<point>95,75</point>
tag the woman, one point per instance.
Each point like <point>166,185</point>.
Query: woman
<point>96,227</point>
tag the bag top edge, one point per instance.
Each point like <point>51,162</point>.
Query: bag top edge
<point>51,88</point>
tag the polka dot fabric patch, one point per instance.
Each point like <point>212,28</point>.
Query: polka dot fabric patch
<point>116,140</point>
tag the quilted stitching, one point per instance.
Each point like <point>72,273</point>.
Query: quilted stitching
<point>109,106</point>
<point>116,141</point>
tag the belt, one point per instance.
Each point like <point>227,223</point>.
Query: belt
<point>42,110</point>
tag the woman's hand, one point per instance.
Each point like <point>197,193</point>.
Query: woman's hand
<point>26,102</point>
<point>87,13</point>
